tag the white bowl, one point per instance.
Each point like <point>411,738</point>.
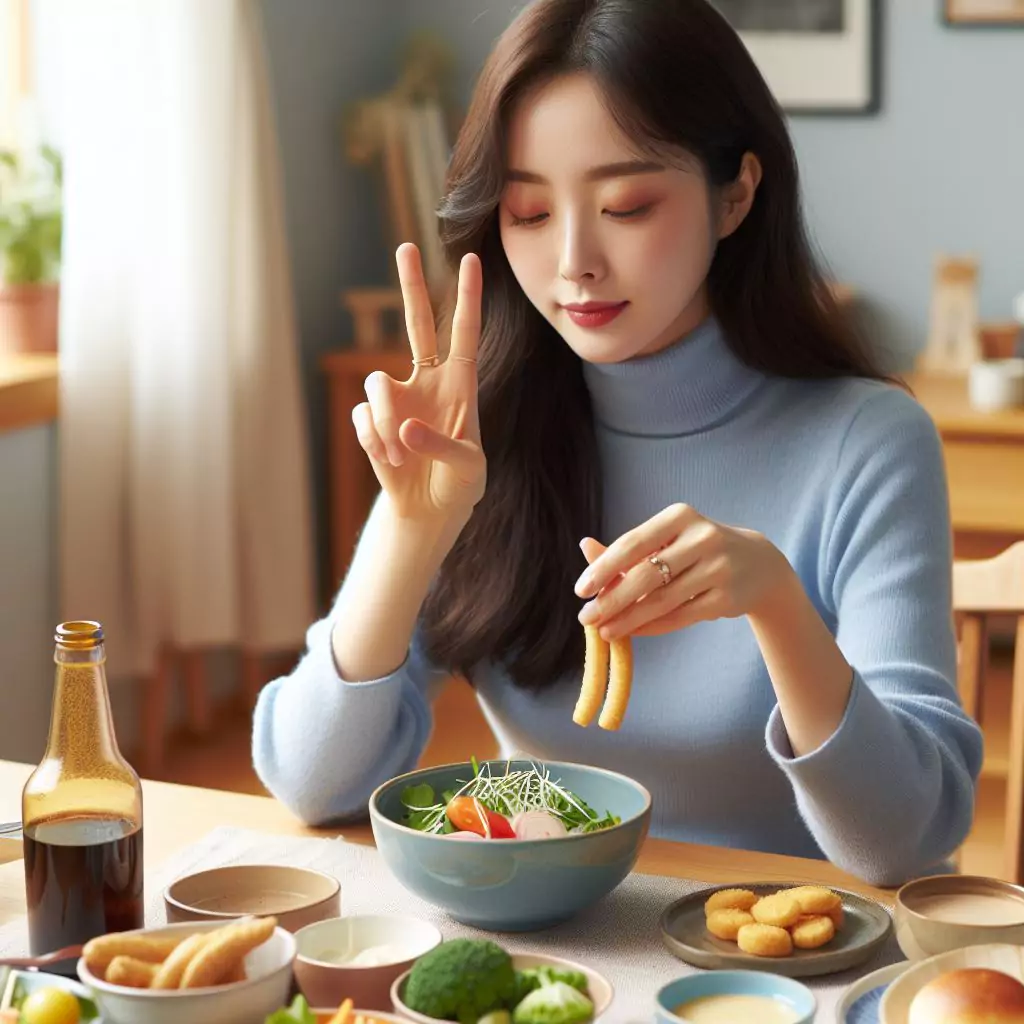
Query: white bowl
<point>895,1008</point>
<point>265,989</point>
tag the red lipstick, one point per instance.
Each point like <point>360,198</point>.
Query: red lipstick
<point>593,314</point>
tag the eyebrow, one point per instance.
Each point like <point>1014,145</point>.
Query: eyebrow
<point>618,170</point>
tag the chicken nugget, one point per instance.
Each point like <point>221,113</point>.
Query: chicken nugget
<point>764,940</point>
<point>812,932</point>
<point>836,915</point>
<point>730,899</point>
<point>132,973</point>
<point>99,952</point>
<point>725,924</point>
<point>221,954</point>
<point>780,910</point>
<point>173,968</point>
<point>814,899</point>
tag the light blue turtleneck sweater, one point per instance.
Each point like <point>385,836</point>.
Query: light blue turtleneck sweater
<point>846,478</point>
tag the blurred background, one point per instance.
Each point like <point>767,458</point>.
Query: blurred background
<point>199,203</point>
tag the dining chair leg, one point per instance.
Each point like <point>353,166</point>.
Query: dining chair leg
<point>197,693</point>
<point>1014,841</point>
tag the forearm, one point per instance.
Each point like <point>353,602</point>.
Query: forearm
<point>378,605</point>
<point>812,678</point>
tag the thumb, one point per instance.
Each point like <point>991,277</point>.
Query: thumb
<point>465,457</point>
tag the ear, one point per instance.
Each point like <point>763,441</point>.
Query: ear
<point>736,198</point>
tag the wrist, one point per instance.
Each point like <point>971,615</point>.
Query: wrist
<point>781,598</point>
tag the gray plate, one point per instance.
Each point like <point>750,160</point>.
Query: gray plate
<point>866,926</point>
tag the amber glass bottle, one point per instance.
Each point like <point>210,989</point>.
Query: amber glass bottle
<point>81,809</point>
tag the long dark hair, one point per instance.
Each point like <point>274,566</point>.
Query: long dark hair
<point>672,72</point>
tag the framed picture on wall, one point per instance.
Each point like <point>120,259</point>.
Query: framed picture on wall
<point>818,56</point>
<point>984,12</point>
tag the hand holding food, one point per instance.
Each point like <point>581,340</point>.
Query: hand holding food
<point>676,569</point>
<point>184,961</point>
<point>423,434</point>
<point>804,917</point>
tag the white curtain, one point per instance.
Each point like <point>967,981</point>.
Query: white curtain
<point>184,482</point>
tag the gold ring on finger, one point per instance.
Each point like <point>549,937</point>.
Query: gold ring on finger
<point>434,360</point>
<point>662,566</point>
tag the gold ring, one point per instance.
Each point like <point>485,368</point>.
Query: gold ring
<point>464,359</point>
<point>434,360</point>
<point>662,567</point>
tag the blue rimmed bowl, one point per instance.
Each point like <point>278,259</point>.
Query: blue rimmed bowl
<point>514,885</point>
<point>794,996</point>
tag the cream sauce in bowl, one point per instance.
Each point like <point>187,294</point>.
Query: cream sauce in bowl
<point>736,1009</point>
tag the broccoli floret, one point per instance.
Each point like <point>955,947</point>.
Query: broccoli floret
<point>531,978</point>
<point>557,1003</point>
<point>462,980</point>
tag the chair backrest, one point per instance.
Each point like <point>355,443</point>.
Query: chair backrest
<point>983,588</point>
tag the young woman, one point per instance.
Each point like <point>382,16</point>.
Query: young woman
<point>645,363</point>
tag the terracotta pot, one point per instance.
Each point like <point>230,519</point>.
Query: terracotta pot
<point>28,318</point>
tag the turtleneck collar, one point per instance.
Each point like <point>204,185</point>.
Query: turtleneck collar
<point>690,386</point>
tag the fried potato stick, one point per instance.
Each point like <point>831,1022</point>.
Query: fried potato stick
<point>595,677</point>
<point>132,973</point>
<point>220,955</point>
<point>341,1017</point>
<point>99,952</point>
<point>173,968</point>
<point>620,683</point>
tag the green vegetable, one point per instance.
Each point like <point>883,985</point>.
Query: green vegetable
<point>557,1003</point>
<point>534,977</point>
<point>496,1017</point>
<point>509,794</point>
<point>462,979</point>
<point>298,1013</point>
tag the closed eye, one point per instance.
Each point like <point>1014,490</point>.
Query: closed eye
<point>535,219</point>
<point>637,211</point>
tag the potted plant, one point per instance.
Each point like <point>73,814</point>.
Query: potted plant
<point>30,249</point>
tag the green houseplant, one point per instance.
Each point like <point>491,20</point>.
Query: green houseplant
<point>31,221</point>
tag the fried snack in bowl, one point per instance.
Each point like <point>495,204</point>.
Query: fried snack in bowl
<point>212,973</point>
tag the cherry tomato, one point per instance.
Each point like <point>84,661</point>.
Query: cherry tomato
<point>51,1006</point>
<point>467,814</point>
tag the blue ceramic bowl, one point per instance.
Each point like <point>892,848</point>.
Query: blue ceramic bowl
<point>791,993</point>
<point>514,885</point>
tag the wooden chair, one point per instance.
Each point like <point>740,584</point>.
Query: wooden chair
<point>983,589</point>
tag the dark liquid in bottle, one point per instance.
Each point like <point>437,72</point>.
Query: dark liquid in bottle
<point>83,878</point>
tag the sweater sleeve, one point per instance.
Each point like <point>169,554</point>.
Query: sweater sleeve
<point>321,744</point>
<point>891,793</point>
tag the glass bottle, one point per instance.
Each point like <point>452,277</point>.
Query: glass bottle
<point>81,809</point>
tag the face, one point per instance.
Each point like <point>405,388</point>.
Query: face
<point>611,247</point>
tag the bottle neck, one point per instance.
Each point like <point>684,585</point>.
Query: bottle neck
<point>81,723</point>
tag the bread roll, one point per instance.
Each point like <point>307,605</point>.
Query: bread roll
<point>973,995</point>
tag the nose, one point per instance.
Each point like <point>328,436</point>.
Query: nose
<point>581,257</point>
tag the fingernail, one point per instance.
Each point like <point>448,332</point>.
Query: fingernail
<point>608,632</point>
<point>584,583</point>
<point>588,614</point>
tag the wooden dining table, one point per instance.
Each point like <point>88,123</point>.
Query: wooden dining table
<point>177,816</point>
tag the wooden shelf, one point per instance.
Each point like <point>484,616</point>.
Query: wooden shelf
<point>28,390</point>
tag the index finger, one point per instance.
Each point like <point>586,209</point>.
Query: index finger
<point>419,317</point>
<point>466,321</point>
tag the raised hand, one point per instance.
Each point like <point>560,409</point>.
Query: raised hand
<point>423,434</point>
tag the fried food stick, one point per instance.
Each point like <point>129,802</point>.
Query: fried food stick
<point>132,973</point>
<point>99,952</point>
<point>173,968</point>
<point>619,685</point>
<point>595,677</point>
<point>222,952</point>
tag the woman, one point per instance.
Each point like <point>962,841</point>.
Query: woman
<point>658,368</point>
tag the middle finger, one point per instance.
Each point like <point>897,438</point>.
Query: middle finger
<point>643,579</point>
